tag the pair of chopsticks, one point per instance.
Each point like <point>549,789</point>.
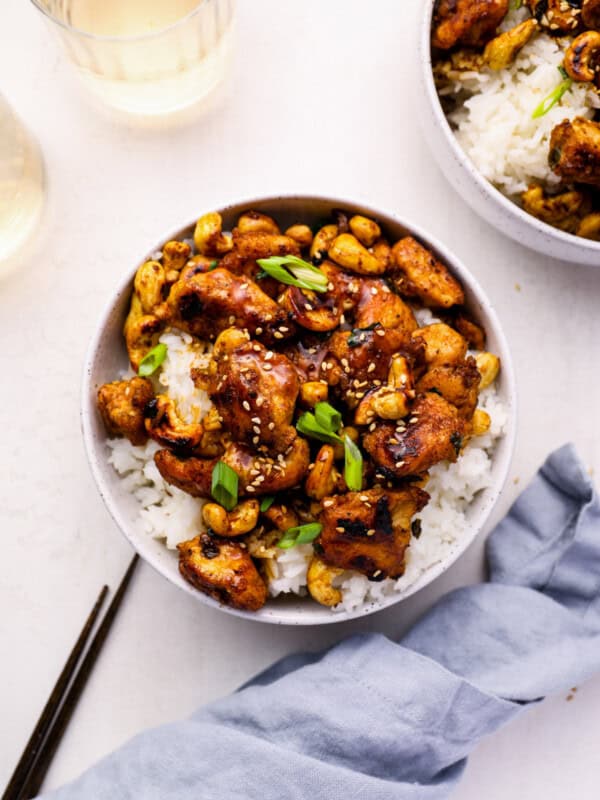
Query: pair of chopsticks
<point>39,751</point>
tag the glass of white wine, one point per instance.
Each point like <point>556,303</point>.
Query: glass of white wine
<point>21,187</point>
<point>147,57</point>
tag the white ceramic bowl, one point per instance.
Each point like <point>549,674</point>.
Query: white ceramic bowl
<point>477,191</point>
<point>107,358</point>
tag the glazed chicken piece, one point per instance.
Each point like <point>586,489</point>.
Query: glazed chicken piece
<point>258,474</point>
<point>223,570</point>
<point>575,151</point>
<point>564,210</point>
<point>442,344</point>
<point>556,16</point>
<point>363,359</point>
<point>314,311</point>
<point>418,273</point>
<point>254,390</point>
<point>378,304</point>
<point>466,22</point>
<point>206,303</point>
<point>434,432</point>
<point>369,531</point>
<point>457,383</point>
<point>165,426</point>
<point>122,405</point>
<point>249,246</point>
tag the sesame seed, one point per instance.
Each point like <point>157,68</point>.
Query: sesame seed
<point>256,348</point>
<point>256,420</point>
<point>258,331</point>
<point>271,425</point>
<point>372,426</point>
<point>413,419</point>
<point>256,429</point>
<point>260,479</point>
<point>327,503</point>
<point>250,489</point>
<point>376,573</point>
<point>254,472</point>
<point>340,530</point>
<point>246,405</point>
<point>259,401</point>
<point>269,355</point>
<point>360,395</point>
<point>244,286</point>
<point>342,319</point>
<point>379,331</point>
<point>255,439</point>
<point>344,362</point>
<point>267,367</point>
<point>231,319</point>
<point>268,317</point>
<point>330,286</point>
<point>371,367</point>
<point>400,464</point>
<point>278,335</point>
<point>362,337</point>
<point>373,290</point>
<point>371,532</point>
<point>363,498</point>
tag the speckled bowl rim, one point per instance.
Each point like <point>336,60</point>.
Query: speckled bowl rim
<point>544,232</point>
<point>302,611</point>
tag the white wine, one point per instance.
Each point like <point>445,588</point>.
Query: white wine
<point>21,187</point>
<point>147,56</point>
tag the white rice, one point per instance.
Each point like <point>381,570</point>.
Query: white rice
<point>493,120</point>
<point>173,516</point>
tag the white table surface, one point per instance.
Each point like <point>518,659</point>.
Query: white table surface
<point>321,99</point>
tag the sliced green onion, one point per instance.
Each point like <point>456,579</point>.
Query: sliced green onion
<point>298,273</point>
<point>328,417</point>
<point>267,502</point>
<point>224,487</point>
<point>353,465</point>
<point>152,360</point>
<point>213,265</point>
<point>554,97</point>
<point>301,534</point>
<point>308,425</point>
<point>515,5</point>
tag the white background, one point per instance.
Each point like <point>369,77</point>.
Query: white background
<point>322,98</point>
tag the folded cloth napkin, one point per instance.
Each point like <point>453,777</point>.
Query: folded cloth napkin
<point>376,720</point>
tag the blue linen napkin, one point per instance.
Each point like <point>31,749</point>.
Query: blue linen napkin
<point>376,720</point>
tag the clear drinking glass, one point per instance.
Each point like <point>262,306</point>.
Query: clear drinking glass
<point>21,186</point>
<point>146,56</point>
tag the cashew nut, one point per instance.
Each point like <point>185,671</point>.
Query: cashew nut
<point>301,234</point>
<point>141,332</point>
<point>148,284</point>
<point>323,477</point>
<point>209,237</point>
<point>489,366</point>
<point>589,227</point>
<point>313,392</point>
<point>165,426</point>
<point>502,51</point>
<point>237,522</point>
<point>391,401</point>
<point>319,580</point>
<point>366,230</point>
<point>175,255</point>
<point>255,222</point>
<point>348,252</point>
<point>281,516</point>
<point>581,57</point>
<point>323,239</point>
<point>480,422</point>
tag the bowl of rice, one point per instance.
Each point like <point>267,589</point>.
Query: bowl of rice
<point>156,516</point>
<point>490,128</point>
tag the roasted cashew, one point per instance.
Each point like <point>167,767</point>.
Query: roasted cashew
<point>502,51</point>
<point>281,516</point>
<point>323,239</point>
<point>489,366</point>
<point>165,426</point>
<point>366,230</point>
<point>589,227</point>
<point>141,332</point>
<point>349,253</point>
<point>313,392</point>
<point>319,580</point>
<point>209,237</point>
<point>175,255</point>
<point>240,520</point>
<point>148,284</point>
<point>301,234</point>
<point>323,477</point>
<point>391,401</point>
<point>480,423</point>
<point>582,55</point>
<point>255,222</point>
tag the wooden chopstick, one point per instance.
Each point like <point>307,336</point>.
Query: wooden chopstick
<point>44,754</point>
<point>35,740</point>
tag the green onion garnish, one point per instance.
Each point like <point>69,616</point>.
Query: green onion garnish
<point>353,465</point>
<point>328,417</point>
<point>152,360</point>
<point>267,502</point>
<point>213,265</point>
<point>554,97</point>
<point>308,425</point>
<point>301,534</point>
<point>298,273</point>
<point>224,487</point>
<point>515,5</point>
